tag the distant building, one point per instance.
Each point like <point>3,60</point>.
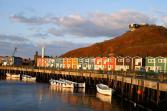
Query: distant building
<point>12,61</point>
<point>35,58</point>
<point>42,62</point>
<point>1,59</point>
<point>133,27</point>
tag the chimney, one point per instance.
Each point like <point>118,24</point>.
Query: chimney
<point>43,52</point>
<point>35,58</point>
<point>36,53</point>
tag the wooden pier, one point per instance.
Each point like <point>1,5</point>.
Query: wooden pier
<point>154,89</point>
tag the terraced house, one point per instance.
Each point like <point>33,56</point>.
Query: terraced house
<point>137,63</point>
<point>80,63</point>
<point>59,63</point>
<point>74,63</point>
<point>156,64</point>
<point>98,63</point>
<point>51,62</point>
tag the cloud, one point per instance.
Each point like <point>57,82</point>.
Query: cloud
<point>12,38</point>
<point>19,18</point>
<point>23,49</point>
<point>164,20</point>
<point>41,35</point>
<point>26,48</point>
<point>92,25</point>
<point>100,24</point>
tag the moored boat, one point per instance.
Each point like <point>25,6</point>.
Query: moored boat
<point>12,75</point>
<point>61,83</point>
<point>28,78</point>
<point>77,85</point>
<point>104,89</point>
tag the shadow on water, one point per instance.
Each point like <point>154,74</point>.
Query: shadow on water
<point>16,95</point>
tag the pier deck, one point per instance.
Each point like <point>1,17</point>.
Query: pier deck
<point>157,83</point>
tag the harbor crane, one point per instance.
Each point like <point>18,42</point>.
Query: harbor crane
<point>15,49</point>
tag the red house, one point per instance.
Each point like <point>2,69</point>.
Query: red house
<point>105,63</point>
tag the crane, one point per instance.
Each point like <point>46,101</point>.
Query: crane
<point>15,49</point>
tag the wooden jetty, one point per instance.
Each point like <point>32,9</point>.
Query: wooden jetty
<point>154,89</point>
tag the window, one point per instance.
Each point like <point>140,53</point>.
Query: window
<point>150,60</point>
<point>120,60</point>
<point>110,60</point>
<point>127,60</point>
<point>138,61</point>
<point>98,61</point>
<point>104,61</point>
<point>161,60</point>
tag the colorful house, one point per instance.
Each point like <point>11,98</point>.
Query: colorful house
<point>157,64</point>
<point>104,63</point>
<point>128,63</point>
<point>119,63</point>
<point>98,63</point>
<point>137,63</point>
<point>111,63</point>
<point>85,63</point>
<point>51,62</point>
<point>69,63</point>
<point>91,63</point>
<point>42,62</point>
<point>59,63</point>
<point>65,64</point>
<point>80,63</point>
<point>74,63</point>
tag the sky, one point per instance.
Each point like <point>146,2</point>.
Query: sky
<point>64,25</point>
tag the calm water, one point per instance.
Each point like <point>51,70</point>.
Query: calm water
<point>25,96</point>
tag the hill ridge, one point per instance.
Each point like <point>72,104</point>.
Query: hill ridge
<point>143,41</point>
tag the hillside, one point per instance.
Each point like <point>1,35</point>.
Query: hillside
<point>148,40</point>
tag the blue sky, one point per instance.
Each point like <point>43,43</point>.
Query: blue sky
<point>63,25</point>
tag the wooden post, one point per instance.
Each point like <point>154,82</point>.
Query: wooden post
<point>158,93</point>
<point>122,88</point>
<point>131,91</point>
<point>143,94</point>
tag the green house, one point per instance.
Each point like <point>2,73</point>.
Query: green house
<point>156,64</point>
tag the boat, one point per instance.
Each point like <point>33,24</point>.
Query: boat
<point>28,78</point>
<point>77,85</point>
<point>104,98</point>
<point>9,75</point>
<point>60,83</point>
<point>104,89</point>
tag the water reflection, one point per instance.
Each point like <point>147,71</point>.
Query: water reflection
<point>68,96</point>
<point>28,81</point>
<point>19,96</point>
<point>10,79</point>
<point>61,90</point>
<point>104,98</point>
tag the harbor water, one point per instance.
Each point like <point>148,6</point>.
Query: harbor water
<point>16,95</point>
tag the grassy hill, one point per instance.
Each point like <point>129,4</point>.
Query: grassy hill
<point>149,40</point>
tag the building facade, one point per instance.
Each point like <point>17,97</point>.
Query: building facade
<point>156,64</point>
